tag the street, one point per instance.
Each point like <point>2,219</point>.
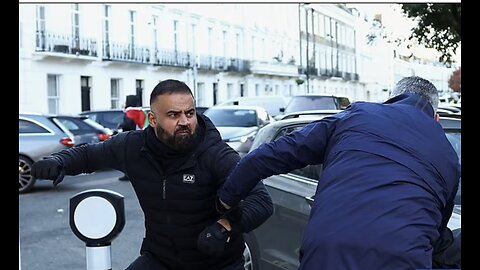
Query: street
<point>46,239</point>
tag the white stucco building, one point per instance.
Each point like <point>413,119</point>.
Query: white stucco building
<point>77,57</point>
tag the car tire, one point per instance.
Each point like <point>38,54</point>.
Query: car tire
<point>250,254</point>
<point>25,178</point>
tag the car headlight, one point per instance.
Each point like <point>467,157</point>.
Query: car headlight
<point>244,138</point>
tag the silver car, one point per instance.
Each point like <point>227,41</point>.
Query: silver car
<point>238,124</point>
<point>276,243</point>
<point>40,135</point>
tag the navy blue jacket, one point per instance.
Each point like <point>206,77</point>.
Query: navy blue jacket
<point>387,188</point>
<point>178,202</point>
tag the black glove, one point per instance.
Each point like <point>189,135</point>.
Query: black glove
<point>50,169</point>
<point>234,217</point>
<point>213,240</point>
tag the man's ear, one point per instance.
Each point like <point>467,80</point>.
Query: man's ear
<point>151,118</point>
<point>437,117</point>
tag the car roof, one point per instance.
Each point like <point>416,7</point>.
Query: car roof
<point>236,107</point>
<point>103,110</point>
<point>320,95</point>
<point>51,115</point>
<point>309,113</point>
<point>446,122</point>
<point>450,122</point>
<point>298,120</point>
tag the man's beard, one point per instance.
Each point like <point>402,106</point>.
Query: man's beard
<point>180,141</point>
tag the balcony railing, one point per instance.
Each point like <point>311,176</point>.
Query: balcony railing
<point>217,63</point>
<point>125,52</point>
<point>310,71</point>
<point>112,51</point>
<point>172,58</point>
<point>65,43</point>
<point>238,65</point>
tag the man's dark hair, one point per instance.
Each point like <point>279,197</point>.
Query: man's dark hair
<point>169,87</point>
<point>132,101</point>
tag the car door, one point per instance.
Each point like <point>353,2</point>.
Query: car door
<point>280,237</point>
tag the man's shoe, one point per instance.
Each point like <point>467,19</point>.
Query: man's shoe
<point>124,178</point>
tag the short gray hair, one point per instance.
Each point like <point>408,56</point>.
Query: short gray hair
<point>419,86</point>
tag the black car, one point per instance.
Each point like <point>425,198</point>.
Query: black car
<point>201,110</point>
<point>276,243</point>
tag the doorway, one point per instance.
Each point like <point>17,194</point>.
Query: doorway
<point>85,85</point>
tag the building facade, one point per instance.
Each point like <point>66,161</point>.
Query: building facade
<point>78,57</point>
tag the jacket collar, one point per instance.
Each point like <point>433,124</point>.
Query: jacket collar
<point>413,100</point>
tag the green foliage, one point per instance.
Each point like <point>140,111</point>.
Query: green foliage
<point>299,81</point>
<point>439,26</point>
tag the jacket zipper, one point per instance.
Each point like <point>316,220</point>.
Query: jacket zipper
<point>164,189</point>
<point>164,196</point>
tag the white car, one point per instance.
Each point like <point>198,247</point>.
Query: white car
<point>238,124</point>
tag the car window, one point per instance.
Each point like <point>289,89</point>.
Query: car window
<point>72,126</point>
<point>455,139</point>
<point>113,117</point>
<point>94,116</point>
<point>76,126</point>
<point>25,127</point>
<point>232,118</point>
<point>106,118</point>
<point>344,102</point>
<point>94,124</point>
<point>310,171</point>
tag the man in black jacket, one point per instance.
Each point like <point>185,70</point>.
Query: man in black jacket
<point>133,119</point>
<point>175,166</point>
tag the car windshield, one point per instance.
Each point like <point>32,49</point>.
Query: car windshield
<point>232,118</point>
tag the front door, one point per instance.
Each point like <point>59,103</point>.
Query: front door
<point>85,89</point>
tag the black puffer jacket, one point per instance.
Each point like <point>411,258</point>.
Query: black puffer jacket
<point>179,202</point>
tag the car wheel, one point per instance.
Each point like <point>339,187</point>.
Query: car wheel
<point>25,178</point>
<point>250,254</point>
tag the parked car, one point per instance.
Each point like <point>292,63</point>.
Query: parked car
<point>40,135</point>
<point>276,243</point>
<point>447,110</point>
<point>314,102</point>
<point>309,113</point>
<point>84,126</point>
<point>107,118</point>
<point>201,110</point>
<point>271,103</point>
<point>238,125</point>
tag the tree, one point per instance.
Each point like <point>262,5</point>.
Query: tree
<point>455,81</point>
<point>439,27</point>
